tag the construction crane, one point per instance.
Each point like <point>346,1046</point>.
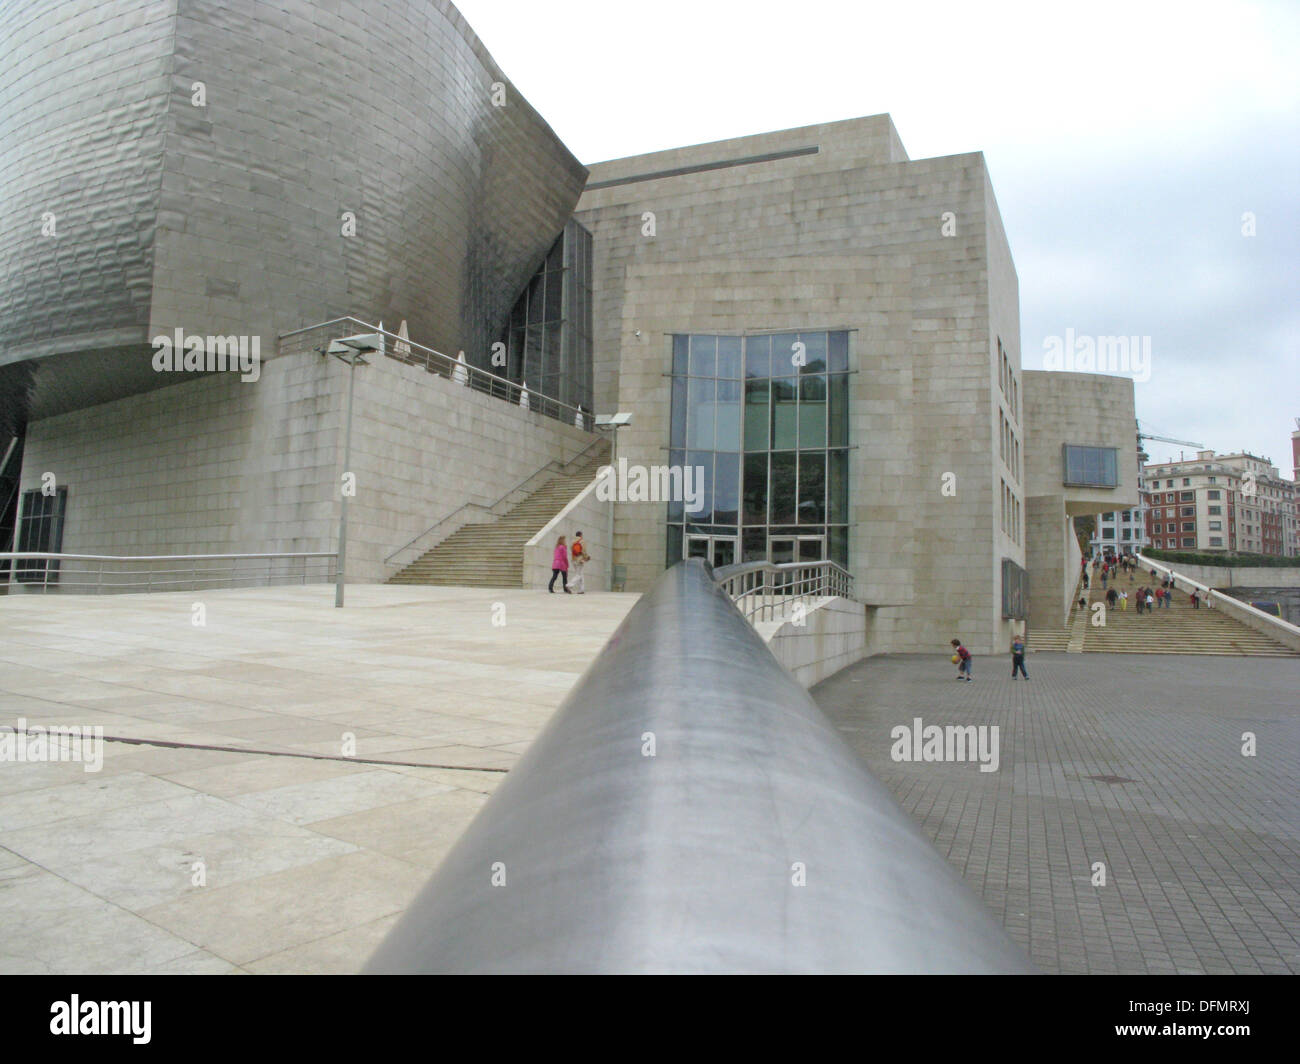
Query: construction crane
<point>1163,439</point>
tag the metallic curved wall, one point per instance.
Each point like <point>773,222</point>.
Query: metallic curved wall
<point>227,218</point>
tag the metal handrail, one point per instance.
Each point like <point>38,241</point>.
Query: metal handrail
<point>480,380</point>
<point>554,465</point>
<point>180,572</point>
<point>689,808</point>
<point>766,591</point>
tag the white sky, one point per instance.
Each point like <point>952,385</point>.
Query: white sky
<point>1125,142</point>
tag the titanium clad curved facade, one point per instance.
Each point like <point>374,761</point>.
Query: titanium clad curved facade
<point>227,214</point>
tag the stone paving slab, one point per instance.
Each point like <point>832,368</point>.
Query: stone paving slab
<point>258,846</point>
<point>1201,844</point>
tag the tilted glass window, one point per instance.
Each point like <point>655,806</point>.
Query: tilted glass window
<point>1093,467</point>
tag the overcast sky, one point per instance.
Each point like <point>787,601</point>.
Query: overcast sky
<point>1126,142</point>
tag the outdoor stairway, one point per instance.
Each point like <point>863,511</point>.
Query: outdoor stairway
<point>491,554</point>
<point>1175,629</point>
<point>1048,639</point>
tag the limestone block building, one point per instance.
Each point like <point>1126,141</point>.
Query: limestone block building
<point>831,331</point>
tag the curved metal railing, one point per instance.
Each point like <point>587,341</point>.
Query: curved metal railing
<point>690,809</point>
<point>765,591</point>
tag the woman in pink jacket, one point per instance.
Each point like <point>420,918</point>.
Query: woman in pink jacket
<point>560,567</point>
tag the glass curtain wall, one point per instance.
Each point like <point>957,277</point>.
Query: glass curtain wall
<point>548,341</point>
<point>765,417</point>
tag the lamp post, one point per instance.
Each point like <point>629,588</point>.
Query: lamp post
<point>349,350</point>
<point>613,422</point>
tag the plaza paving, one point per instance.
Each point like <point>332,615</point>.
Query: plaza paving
<point>308,855</point>
<point>229,752</point>
<point>1133,761</point>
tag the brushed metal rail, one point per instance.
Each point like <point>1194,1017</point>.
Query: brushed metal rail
<point>108,573</point>
<point>594,856</point>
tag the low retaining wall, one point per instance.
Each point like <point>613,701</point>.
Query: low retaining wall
<point>1284,633</point>
<point>1259,576</point>
<point>833,636</point>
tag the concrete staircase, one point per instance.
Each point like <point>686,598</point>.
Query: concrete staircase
<point>1175,629</point>
<point>491,554</point>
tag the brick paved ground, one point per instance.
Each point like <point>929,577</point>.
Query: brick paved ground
<point>1201,844</point>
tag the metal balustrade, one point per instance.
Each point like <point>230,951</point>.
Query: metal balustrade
<point>399,349</point>
<point>765,591</point>
<point>689,808</point>
<point>93,574</point>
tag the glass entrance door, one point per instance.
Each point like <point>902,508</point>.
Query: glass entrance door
<point>716,550</point>
<point>785,549</point>
<point>812,548</point>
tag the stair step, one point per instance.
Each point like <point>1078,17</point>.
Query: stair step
<point>490,553</point>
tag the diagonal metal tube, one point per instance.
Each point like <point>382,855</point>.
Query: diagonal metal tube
<point>605,859</point>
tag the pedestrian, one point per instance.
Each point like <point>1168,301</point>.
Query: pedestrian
<point>580,559</point>
<point>1123,601</point>
<point>964,662</point>
<point>1112,597</point>
<point>1150,602</point>
<point>1083,602</point>
<point>1018,656</point>
<point>1196,601</point>
<point>1141,599</point>
<point>1169,596</point>
<point>560,567</point>
<point>1103,577</point>
<point>1085,580</point>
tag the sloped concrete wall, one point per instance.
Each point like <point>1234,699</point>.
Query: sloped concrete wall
<point>832,637</point>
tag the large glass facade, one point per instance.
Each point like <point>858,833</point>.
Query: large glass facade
<point>766,418</point>
<point>548,341</point>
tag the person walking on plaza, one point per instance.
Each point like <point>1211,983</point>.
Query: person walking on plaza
<point>580,558</point>
<point>1018,656</point>
<point>1169,596</point>
<point>1150,601</point>
<point>560,567</point>
<point>964,665</point>
<point>1196,600</point>
<point>1112,597</point>
<point>1123,601</point>
<point>1103,577</point>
